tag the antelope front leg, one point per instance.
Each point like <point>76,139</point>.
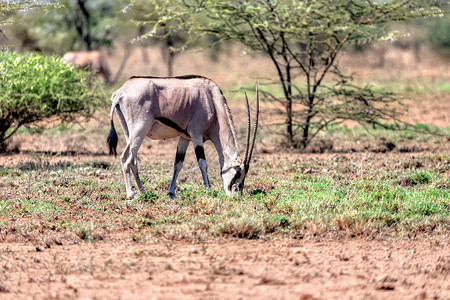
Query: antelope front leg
<point>179,159</point>
<point>201,159</point>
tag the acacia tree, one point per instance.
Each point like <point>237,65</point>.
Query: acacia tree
<point>303,39</point>
<point>11,8</point>
<point>69,25</point>
<point>144,12</point>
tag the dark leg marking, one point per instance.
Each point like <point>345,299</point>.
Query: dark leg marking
<point>179,157</point>
<point>200,153</point>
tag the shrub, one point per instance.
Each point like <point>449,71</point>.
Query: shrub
<point>34,87</point>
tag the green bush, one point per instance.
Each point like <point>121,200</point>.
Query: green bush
<point>34,87</point>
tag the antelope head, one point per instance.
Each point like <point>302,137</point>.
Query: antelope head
<point>233,177</point>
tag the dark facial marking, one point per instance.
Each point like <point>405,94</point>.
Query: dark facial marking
<point>235,178</point>
<point>172,124</point>
<point>200,152</point>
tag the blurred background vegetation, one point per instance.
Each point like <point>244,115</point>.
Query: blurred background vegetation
<point>56,27</point>
<point>123,29</point>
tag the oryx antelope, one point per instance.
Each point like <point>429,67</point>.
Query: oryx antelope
<point>192,108</point>
<point>91,60</point>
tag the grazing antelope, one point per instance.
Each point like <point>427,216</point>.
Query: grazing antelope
<point>91,60</point>
<point>190,107</point>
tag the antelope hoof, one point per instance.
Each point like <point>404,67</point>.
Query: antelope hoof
<point>172,195</point>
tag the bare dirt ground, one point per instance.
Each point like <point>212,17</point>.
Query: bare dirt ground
<point>317,268</point>
<point>277,268</point>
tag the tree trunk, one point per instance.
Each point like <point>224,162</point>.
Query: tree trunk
<point>170,55</point>
<point>290,130</point>
<point>289,126</point>
<point>170,60</point>
<point>141,32</point>
<point>85,27</point>
<point>3,143</point>
<point>305,136</point>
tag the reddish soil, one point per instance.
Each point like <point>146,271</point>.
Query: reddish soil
<point>316,268</point>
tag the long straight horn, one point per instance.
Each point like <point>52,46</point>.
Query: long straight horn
<point>254,130</point>
<point>247,147</point>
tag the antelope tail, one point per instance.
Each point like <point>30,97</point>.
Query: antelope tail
<point>112,138</point>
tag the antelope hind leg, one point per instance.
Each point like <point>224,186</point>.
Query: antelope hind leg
<point>125,157</point>
<point>129,163</point>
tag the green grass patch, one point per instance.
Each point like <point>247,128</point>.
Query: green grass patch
<point>445,87</point>
<point>373,194</point>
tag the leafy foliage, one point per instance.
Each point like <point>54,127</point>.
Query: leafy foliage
<point>303,40</point>
<point>68,25</point>
<point>35,87</point>
<point>11,8</point>
<point>8,8</point>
